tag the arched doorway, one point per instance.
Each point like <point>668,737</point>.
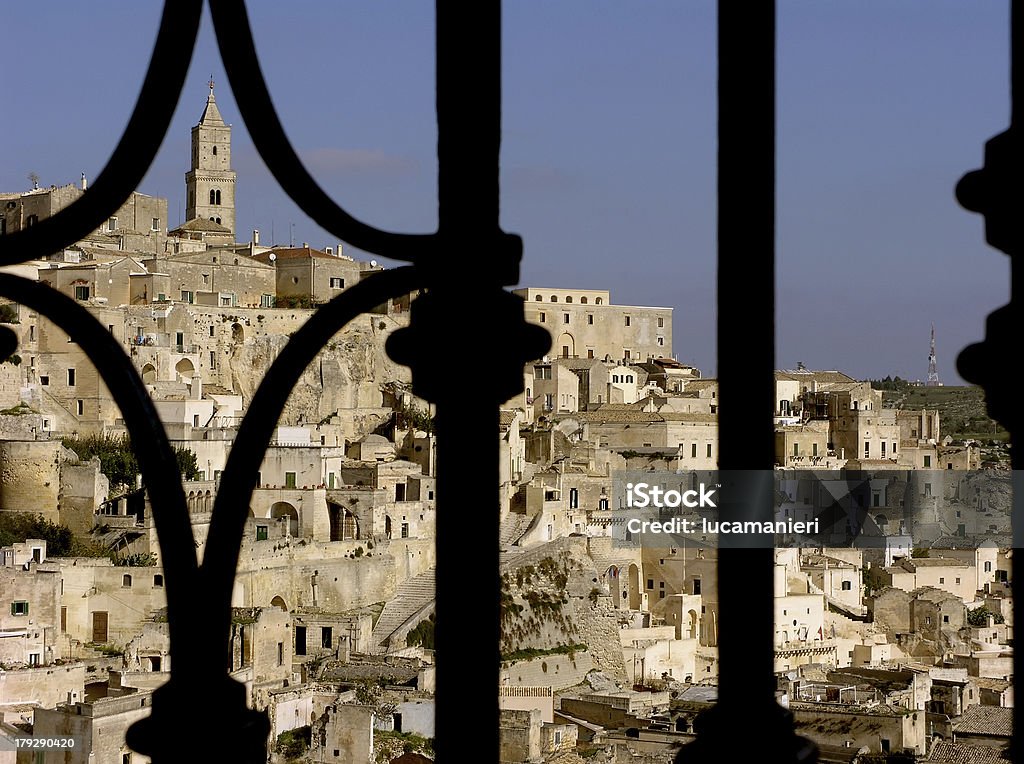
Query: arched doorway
<point>237,333</point>
<point>566,345</point>
<point>278,602</point>
<point>185,370</point>
<point>282,509</point>
<point>148,374</point>
<point>633,580</point>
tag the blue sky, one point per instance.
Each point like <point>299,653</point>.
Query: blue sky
<point>609,131</point>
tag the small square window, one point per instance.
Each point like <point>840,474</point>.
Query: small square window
<point>44,381</point>
<point>19,607</point>
<point>156,224</point>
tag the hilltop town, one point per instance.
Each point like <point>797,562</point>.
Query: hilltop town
<point>893,637</point>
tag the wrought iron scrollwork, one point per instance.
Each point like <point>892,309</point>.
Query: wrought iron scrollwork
<point>199,596</point>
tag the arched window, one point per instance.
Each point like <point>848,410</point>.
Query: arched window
<point>213,196</point>
<point>583,300</point>
<point>215,151</point>
<point>126,580</point>
<point>598,300</point>
<point>218,197</point>
<point>539,298</point>
<point>218,221</point>
<point>568,298</point>
<point>554,298</point>
<point>988,566</point>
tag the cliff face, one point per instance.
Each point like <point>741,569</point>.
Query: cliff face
<point>344,378</point>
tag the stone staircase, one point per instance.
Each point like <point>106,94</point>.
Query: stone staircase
<point>413,595</point>
<point>513,528</point>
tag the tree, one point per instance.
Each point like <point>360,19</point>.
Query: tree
<point>118,462</point>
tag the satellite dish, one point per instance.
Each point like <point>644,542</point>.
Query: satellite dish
<point>373,263</point>
<point>273,257</point>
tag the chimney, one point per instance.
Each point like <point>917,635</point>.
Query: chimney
<point>197,388</point>
<point>85,183</point>
<point>337,250</point>
<point>255,235</point>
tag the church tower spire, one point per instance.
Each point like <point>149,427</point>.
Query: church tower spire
<point>210,183</point>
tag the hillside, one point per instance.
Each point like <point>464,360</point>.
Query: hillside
<point>961,410</point>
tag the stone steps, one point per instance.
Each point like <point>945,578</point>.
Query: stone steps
<point>412,596</point>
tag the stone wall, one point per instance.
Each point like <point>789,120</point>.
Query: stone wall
<point>555,671</point>
<point>30,477</point>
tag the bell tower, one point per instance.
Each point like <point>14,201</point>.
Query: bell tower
<point>210,184</point>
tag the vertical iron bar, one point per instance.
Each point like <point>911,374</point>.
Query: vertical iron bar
<point>746,342</point>
<point>469,135</point>
<point>1016,295</point>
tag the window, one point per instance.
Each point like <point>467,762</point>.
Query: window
<point>187,296</point>
<point>126,581</point>
<point>19,607</point>
<point>627,320</point>
<point>81,407</point>
<point>650,583</point>
<point>927,461</point>
<point>337,283</point>
<point>280,653</point>
<point>574,498</point>
<point>942,580</point>
<point>158,581</point>
<point>112,224</point>
<point>814,446</point>
<point>958,580</point>
<point>211,330</point>
<point>867,449</point>
<point>405,530</point>
<point>554,298</point>
<point>883,449</point>
<point>261,532</point>
<point>590,352</point>
<point>44,381</point>
<point>847,586</point>
<point>155,226</point>
<point>81,293</point>
<point>693,451</point>
<point>289,480</point>
<point>213,360</point>
<point>267,301</point>
<point>796,449</point>
<point>661,340</point>
<point>214,197</point>
<point>565,318</point>
<point>988,567</point>
<point>326,637</point>
<point>625,354</point>
<point>539,298</point>
<point>71,377</point>
<point>945,619</point>
<point>590,319</point>
<point>215,151</point>
<point>709,450</point>
<point>33,659</point>
<point>696,586</point>
<point>542,318</point>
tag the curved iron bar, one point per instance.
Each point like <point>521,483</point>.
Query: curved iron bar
<point>238,52</point>
<point>147,126</point>
<point>238,480</point>
<point>156,458</point>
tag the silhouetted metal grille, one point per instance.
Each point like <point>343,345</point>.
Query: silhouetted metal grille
<point>747,724</point>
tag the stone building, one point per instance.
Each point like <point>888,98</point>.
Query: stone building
<point>308,274</point>
<point>98,726</point>
<point>584,324</point>
<point>30,615</point>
